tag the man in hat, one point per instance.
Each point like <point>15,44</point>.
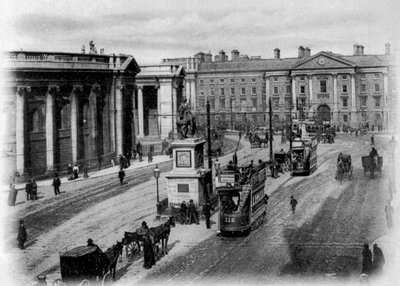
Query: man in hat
<point>22,235</point>
<point>367,260</point>
<point>90,243</point>
<point>121,176</point>
<point>56,184</point>
<point>207,208</point>
<point>293,203</point>
<point>192,213</point>
<point>379,260</point>
<point>183,211</point>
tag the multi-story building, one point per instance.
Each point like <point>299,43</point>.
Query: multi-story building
<point>346,90</point>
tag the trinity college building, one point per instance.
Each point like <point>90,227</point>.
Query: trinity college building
<point>343,89</point>
<point>88,108</point>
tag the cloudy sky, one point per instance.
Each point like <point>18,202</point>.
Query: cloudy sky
<point>154,29</point>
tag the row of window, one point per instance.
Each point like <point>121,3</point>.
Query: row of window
<point>233,91</point>
<point>243,103</point>
<point>275,79</point>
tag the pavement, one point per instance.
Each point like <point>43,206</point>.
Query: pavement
<point>43,185</point>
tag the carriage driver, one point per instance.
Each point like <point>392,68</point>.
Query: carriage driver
<point>90,243</point>
<point>340,157</point>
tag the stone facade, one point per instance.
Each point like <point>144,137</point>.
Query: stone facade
<point>66,108</point>
<point>347,90</point>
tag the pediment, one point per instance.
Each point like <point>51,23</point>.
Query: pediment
<point>323,60</point>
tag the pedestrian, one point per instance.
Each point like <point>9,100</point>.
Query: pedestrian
<point>389,214</point>
<point>183,211</point>
<point>33,190</point>
<point>70,172</point>
<point>128,159</point>
<point>293,203</point>
<point>121,161</point>
<point>121,176</point>
<point>266,198</point>
<point>22,235</point>
<point>192,213</point>
<point>28,190</point>
<point>379,260</point>
<point>134,154</point>
<point>148,252</point>
<point>367,260</point>
<point>12,195</point>
<point>139,150</point>
<point>56,184</point>
<point>150,156</point>
<point>207,208</point>
<point>76,171</point>
<point>372,139</point>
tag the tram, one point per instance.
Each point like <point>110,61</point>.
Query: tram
<point>241,199</point>
<point>304,156</point>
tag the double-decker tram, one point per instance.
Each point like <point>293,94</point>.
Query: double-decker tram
<point>241,199</point>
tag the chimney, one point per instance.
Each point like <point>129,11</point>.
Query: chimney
<point>234,55</point>
<point>277,53</point>
<point>301,52</point>
<point>307,52</point>
<point>208,58</point>
<point>361,50</point>
<point>387,49</point>
<point>221,55</point>
<point>355,50</point>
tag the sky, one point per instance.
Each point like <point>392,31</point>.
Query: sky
<point>153,29</point>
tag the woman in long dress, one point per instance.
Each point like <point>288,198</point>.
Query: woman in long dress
<point>149,258</point>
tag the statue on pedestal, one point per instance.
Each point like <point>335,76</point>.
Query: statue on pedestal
<point>184,119</point>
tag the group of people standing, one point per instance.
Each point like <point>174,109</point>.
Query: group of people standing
<point>189,213</point>
<point>373,261</point>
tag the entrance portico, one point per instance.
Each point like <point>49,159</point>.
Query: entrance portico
<point>159,93</point>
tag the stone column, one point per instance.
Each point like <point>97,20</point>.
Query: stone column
<point>174,106</point>
<point>140,111</point>
<point>193,94</point>
<point>134,123</point>
<point>310,89</point>
<point>158,109</point>
<point>20,128</point>
<point>294,96</point>
<point>51,92</point>
<point>112,111</point>
<point>335,93</point>
<point>118,116</point>
<point>353,99</point>
<point>385,100</point>
<point>92,120</point>
<point>74,122</point>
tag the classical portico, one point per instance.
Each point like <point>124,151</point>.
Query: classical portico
<point>159,92</point>
<point>67,108</point>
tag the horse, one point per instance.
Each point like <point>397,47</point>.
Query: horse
<point>109,259</point>
<point>184,119</point>
<point>162,232</point>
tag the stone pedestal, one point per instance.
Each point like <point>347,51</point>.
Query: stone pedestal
<point>185,181</point>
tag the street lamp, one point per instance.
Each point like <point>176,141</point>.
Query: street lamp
<point>157,175</point>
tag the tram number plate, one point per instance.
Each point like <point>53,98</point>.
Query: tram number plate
<point>229,219</point>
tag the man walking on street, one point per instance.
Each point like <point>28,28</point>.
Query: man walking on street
<point>372,140</point>
<point>207,208</point>
<point>192,213</point>
<point>28,190</point>
<point>22,236</point>
<point>293,203</point>
<point>56,184</point>
<point>121,176</point>
<point>33,190</point>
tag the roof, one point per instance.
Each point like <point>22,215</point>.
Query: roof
<point>79,251</point>
<point>248,65</point>
<point>295,63</point>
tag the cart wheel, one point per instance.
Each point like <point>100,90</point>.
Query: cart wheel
<point>84,282</point>
<point>131,249</point>
<point>58,282</point>
<point>107,279</point>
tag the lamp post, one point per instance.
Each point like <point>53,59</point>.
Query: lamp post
<point>208,135</point>
<point>157,175</point>
<point>217,164</point>
<point>85,170</point>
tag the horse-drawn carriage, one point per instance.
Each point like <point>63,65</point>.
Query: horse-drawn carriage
<point>344,168</point>
<point>372,164</point>
<point>133,241</point>
<point>88,265</point>
<point>256,141</point>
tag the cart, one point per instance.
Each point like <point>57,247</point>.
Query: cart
<point>371,167</point>
<point>283,160</point>
<point>86,265</point>
<point>344,168</point>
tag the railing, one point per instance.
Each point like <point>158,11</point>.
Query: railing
<point>67,57</point>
